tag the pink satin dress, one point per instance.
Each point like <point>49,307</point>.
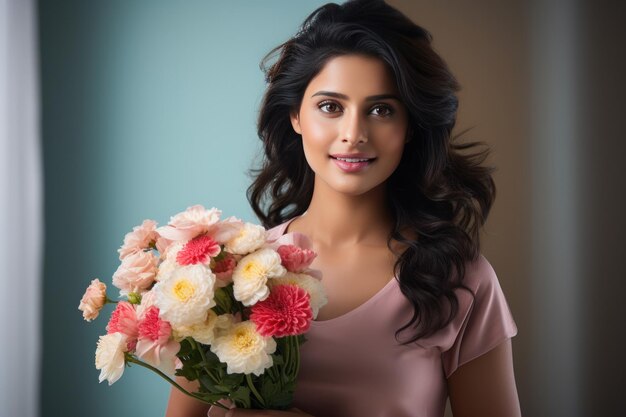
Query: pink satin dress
<point>352,365</point>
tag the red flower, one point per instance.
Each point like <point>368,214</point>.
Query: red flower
<point>223,269</point>
<point>295,258</point>
<point>198,250</point>
<point>153,328</point>
<point>285,312</point>
<point>124,320</point>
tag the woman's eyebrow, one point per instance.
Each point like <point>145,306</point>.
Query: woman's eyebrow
<point>345,97</point>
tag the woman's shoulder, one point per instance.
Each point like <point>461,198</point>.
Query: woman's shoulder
<point>479,274</point>
<point>483,308</point>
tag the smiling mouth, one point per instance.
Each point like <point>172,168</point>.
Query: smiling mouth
<point>352,165</point>
<point>353,160</point>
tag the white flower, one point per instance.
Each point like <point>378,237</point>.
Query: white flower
<point>166,268</point>
<point>244,350</point>
<point>186,295</point>
<point>203,332</point>
<point>224,322</point>
<point>311,285</point>
<point>251,274</point>
<point>250,238</point>
<point>110,356</point>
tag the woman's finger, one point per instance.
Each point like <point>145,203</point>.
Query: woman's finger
<point>216,411</point>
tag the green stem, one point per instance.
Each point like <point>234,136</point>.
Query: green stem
<point>107,300</point>
<point>293,352</point>
<point>254,391</point>
<point>297,357</point>
<point>287,355</point>
<point>132,359</point>
<point>199,349</point>
<point>274,374</point>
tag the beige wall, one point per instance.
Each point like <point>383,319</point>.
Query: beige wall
<point>543,85</point>
<point>486,48</point>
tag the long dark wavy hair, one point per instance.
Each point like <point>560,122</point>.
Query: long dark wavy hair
<point>438,194</point>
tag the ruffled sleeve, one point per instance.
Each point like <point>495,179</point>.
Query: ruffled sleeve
<point>482,323</point>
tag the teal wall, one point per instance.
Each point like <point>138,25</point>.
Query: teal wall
<point>147,107</point>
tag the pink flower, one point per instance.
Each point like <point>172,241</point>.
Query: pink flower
<point>147,301</point>
<point>162,244</point>
<point>154,345</point>
<point>296,239</point>
<point>198,250</point>
<point>223,269</point>
<point>285,312</point>
<point>153,328</point>
<point>124,320</point>
<point>139,239</point>
<point>294,258</point>
<point>93,300</point>
<point>136,273</point>
<point>190,223</point>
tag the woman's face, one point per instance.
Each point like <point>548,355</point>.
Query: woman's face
<point>352,109</point>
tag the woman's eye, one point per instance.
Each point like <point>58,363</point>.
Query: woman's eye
<point>383,111</point>
<point>330,107</point>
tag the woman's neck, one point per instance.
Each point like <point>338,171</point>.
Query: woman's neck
<point>337,220</point>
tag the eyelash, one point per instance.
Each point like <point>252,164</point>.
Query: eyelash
<point>384,106</point>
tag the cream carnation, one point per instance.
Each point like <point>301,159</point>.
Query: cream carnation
<point>185,296</point>
<point>227,229</point>
<point>110,356</point>
<point>139,239</point>
<point>190,223</point>
<point>250,238</point>
<point>251,274</point>
<point>311,285</point>
<point>203,332</point>
<point>224,322</point>
<point>244,350</point>
<point>136,273</point>
<point>93,300</point>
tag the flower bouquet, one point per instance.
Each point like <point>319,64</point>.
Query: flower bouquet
<point>214,301</point>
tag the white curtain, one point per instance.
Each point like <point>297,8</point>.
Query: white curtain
<point>21,214</point>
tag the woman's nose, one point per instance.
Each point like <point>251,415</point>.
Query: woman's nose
<point>353,128</point>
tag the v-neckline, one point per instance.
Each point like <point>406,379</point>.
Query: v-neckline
<point>345,316</point>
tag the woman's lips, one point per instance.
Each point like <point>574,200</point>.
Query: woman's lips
<point>352,166</point>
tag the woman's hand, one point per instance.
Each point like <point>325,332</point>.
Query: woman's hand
<point>242,412</point>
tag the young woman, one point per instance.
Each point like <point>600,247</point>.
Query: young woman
<point>356,124</point>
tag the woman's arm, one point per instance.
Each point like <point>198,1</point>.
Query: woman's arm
<point>485,386</point>
<point>181,405</point>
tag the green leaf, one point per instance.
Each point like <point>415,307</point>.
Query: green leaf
<point>223,300</point>
<point>207,383</point>
<point>281,401</point>
<point>232,380</point>
<point>241,397</point>
<point>278,360</point>
<point>185,348</point>
<point>269,389</point>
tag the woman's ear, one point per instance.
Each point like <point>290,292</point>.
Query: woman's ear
<point>295,122</point>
